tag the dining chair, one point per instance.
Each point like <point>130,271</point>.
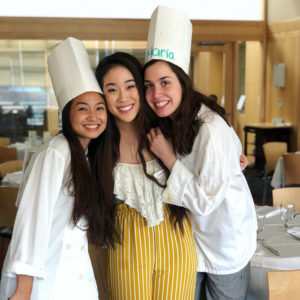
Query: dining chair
<point>287,195</point>
<point>272,151</point>
<point>8,210</point>
<point>5,141</point>
<point>7,153</point>
<point>291,165</point>
<point>284,285</point>
<point>99,260</point>
<point>10,166</point>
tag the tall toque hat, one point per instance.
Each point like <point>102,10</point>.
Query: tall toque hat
<point>170,37</point>
<point>70,71</point>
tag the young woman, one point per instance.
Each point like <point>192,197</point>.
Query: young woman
<point>64,193</point>
<point>193,139</point>
<point>156,258</point>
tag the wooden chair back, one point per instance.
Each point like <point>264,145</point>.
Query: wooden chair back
<point>5,141</point>
<point>8,210</point>
<point>284,285</point>
<point>272,151</point>
<point>291,163</point>
<point>7,153</point>
<point>99,259</point>
<point>287,195</point>
<point>10,166</point>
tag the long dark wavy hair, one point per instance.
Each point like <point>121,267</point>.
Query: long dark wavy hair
<point>184,125</point>
<point>91,183</point>
<point>128,61</point>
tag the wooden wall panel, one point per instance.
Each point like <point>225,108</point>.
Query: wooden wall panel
<point>253,79</point>
<point>122,29</point>
<point>208,73</point>
<point>284,47</point>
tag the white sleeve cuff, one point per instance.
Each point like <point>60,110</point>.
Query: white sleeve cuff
<point>15,267</point>
<point>179,177</point>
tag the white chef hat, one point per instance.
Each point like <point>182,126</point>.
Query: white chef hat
<point>170,37</point>
<point>70,71</point>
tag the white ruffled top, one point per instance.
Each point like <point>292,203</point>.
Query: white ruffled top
<point>132,186</point>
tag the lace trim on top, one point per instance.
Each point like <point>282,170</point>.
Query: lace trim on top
<point>132,186</point>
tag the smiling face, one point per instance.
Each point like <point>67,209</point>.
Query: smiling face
<point>163,89</point>
<point>121,94</point>
<point>88,117</point>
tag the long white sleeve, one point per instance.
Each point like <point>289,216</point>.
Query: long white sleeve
<point>202,186</point>
<point>210,184</point>
<point>29,244</point>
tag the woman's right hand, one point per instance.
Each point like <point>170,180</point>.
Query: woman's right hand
<point>19,296</point>
<point>161,147</point>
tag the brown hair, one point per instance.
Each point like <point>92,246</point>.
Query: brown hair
<point>184,125</point>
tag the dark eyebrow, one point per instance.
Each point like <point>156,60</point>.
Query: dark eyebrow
<point>101,102</point>
<point>129,80</point>
<point>113,84</point>
<point>109,84</point>
<point>81,103</point>
<point>85,103</point>
<point>161,78</point>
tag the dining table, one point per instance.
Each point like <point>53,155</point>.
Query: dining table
<point>279,239</point>
<point>12,179</point>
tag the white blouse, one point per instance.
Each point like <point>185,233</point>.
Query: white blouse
<point>210,184</point>
<point>45,244</point>
<point>132,186</point>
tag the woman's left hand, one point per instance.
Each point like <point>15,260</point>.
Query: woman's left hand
<point>243,161</point>
<point>161,147</point>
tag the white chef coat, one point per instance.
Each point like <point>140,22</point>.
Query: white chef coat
<point>210,184</point>
<point>45,243</point>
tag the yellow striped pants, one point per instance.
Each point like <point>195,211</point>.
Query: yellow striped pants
<point>152,263</point>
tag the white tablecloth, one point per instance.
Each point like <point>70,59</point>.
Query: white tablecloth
<point>12,179</point>
<point>20,149</point>
<point>263,260</point>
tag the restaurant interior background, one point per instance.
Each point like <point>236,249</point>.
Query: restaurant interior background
<point>237,49</point>
<point>234,51</point>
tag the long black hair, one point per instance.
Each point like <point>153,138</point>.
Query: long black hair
<point>131,63</point>
<point>91,183</point>
<point>184,125</point>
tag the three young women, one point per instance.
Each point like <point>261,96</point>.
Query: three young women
<point>156,256</point>
<point>66,191</point>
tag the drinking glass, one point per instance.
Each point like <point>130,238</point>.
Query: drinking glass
<point>287,211</point>
<point>260,227</point>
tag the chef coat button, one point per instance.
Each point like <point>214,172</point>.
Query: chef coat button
<point>169,197</point>
<point>80,276</point>
<point>82,248</point>
<point>68,246</point>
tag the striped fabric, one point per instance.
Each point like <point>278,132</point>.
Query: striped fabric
<point>152,263</point>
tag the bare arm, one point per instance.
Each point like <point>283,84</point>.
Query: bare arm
<point>24,288</point>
